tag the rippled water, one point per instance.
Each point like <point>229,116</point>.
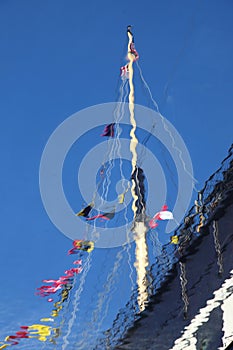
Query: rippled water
<point>189,287</point>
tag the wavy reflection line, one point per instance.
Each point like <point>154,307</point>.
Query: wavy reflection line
<point>77,295</point>
<point>139,228</point>
<point>166,128</point>
<point>184,282</point>
<point>217,247</point>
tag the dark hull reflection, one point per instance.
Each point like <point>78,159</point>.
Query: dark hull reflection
<point>191,284</point>
<point>162,323</point>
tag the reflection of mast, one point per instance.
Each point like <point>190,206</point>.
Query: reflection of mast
<point>137,190</point>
